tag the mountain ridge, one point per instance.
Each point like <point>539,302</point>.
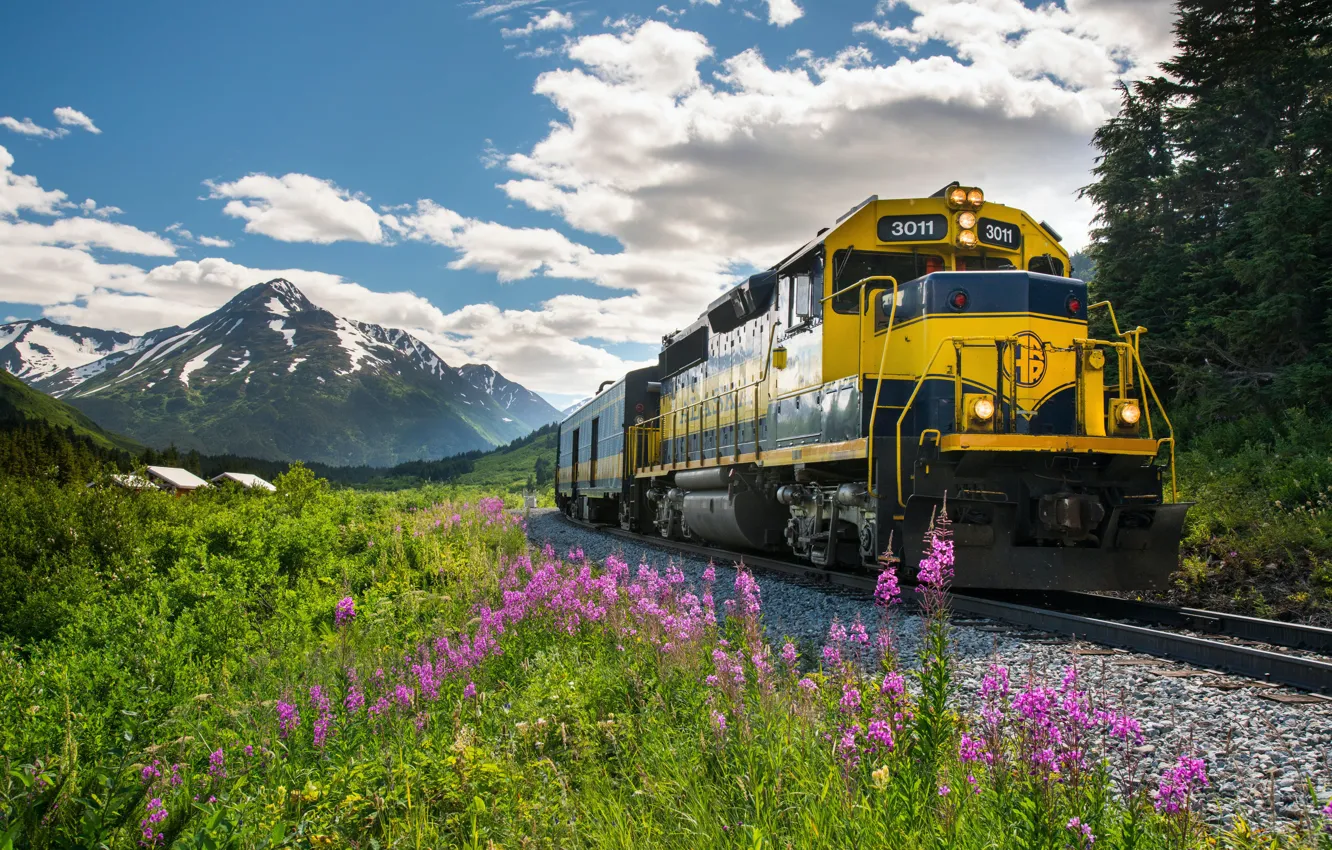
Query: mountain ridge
<point>270,374</point>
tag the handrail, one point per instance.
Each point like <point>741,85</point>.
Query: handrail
<point>762,379</point>
<point>878,384</point>
<point>958,342</point>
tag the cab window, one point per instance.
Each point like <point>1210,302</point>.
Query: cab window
<point>851,266</point>
<point>984,264</point>
<point>1046,264</point>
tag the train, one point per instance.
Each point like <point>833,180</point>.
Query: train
<point>918,358</point>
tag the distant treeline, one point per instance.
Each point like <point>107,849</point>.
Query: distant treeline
<point>34,448</point>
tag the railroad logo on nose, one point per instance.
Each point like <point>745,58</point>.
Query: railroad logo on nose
<point>1030,359</point>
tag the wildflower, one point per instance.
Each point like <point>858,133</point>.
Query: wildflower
<point>469,691</point>
<point>323,717</point>
<point>249,750</point>
<point>712,681</point>
<point>1172,794</point>
<point>1081,831</point>
<point>1070,678</point>
<point>944,790</point>
<point>719,723</point>
<point>746,593</point>
<point>850,702</point>
<point>995,682</point>
<point>789,654</point>
<point>894,684</point>
<point>858,634</point>
<point>217,767</point>
<point>880,777</point>
<point>288,718</point>
<point>1124,728</point>
<point>936,568</point>
<point>154,814</point>
<point>151,772</point>
<point>969,749</point>
<point>345,612</point>
<point>710,574</point>
<point>807,685</point>
<point>880,733</point>
<point>886,589</point>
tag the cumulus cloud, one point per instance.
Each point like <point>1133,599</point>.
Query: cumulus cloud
<point>90,207</point>
<point>552,20</point>
<point>84,233</point>
<point>22,192</point>
<point>71,117</point>
<point>299,208</point>
<point>28,127</point>
<point>783,12</point>
<point>207,241</point>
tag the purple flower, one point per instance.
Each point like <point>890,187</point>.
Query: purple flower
<point>217,767</point>
<point>710,574</point>
<point>289,718</point>
<point>155,813</point>
<point>807,685</point>
<point>470,690</point>
<point>969,749</point>
<point>894,684</point>
<point>886,589</point>
<point>746,593</point>
<point>858,634</point>
<point>249,750</point>
<point>719,723</point>
<point>850,702</point>
<point>323,715</point>
<point>944,790</point>
<point>880,734</point>
<point>151,772</point>
<point>345,612</point>
<point>936,568</point>
<point>1081,831</point>
<point>1172,794</point>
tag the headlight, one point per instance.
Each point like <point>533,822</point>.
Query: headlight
<point>975,197</point>
<point>1128,413</point>
<point>982,409</point>
<point>967,238</point>
<point>957,196</point>
<point>967,221</point>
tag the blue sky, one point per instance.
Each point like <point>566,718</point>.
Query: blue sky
<point>546,187</point>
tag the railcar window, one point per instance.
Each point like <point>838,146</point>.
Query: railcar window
<point>987,263</point>
<point>851,267</point>
<point>1046,264</point>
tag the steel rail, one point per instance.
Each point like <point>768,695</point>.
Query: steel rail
<point>1309,674</point>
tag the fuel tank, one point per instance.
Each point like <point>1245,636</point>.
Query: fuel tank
<point>736,516</point>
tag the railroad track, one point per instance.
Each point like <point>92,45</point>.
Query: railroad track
<point>1141,627</point>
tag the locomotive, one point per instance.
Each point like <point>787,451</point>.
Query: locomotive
<point>920,356</point>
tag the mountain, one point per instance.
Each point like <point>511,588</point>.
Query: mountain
<point>20,403</point>
<point>522,404</point>
<point>271,375</point>
<point>33,350</point>
<point>571,408</point>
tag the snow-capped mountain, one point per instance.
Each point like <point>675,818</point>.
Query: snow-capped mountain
<point>32,350</point>
<point>271,374</point>
<point>522,404</point>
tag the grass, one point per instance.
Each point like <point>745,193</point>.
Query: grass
<point>339,669</point>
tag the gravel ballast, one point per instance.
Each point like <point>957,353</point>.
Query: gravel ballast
<point>1261,754</point>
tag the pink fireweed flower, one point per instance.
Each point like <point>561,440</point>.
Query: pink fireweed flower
<point>944,790</point>
<point>323,715</point>
<point>151,772</point>
<point>719,723</point>
<point>155,813</point>
<point>217,764</point>
<point>1070,678</point>
<point>850,701</point>
<point>789,655</point>
<point>969,749</point>
<point>1081,832</point>
<point>880,734</point>
<point>894,685</point>
<point>710,574</point>
<point>747,593</point>
<point>470,691</point>
<point>1172,794</point>
<point>832,655</point>
<point>886,589</point>
<point>345,612</point>
<point>936,568</point>
<point>807,685</point>
<point>995,682</point>
<point>858,633</point>
<point>1126,729</point>
<point>289,718</point>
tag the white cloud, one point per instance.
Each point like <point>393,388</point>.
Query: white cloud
<point>90,207</point>
<point>893,35</point>
<point>784,12</point>
<point>207,241</point>
<point>86,233</point>
<point>71,117</point>
<point>488,10</point>
<point>552,20</point>
<point>21,192</point>
<point>28,127</point>
<point>299,208</point>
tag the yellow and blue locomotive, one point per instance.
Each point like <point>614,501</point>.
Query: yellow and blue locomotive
<point>920,355</point>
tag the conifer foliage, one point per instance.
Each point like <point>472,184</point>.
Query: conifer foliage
<point>1214,188</point>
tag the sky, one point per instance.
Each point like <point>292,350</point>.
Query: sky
<point>547,187</point>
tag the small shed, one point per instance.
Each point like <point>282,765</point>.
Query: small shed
<point>247,480</point>
<point>131,482</point>
<point>175,480</point>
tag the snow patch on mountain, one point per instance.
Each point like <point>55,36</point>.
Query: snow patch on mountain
<point>196,364</point>
<point>298,361</point>
<point>357,343</point>
<point>275,305</point>
<point>288,334</point>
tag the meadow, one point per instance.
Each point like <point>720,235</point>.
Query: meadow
<point>334,668</point>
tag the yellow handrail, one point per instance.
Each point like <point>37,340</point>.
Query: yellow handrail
<point>878,385</point>
<point>958,342</point>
